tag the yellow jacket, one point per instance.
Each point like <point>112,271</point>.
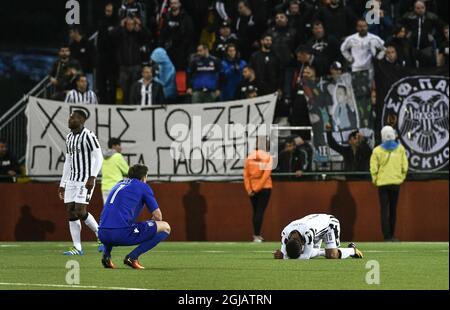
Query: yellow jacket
<point>388,167</point>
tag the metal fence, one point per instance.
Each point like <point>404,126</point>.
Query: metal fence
<point>13,124</point>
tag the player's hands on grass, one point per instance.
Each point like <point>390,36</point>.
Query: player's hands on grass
<point>277,254</point>
<point>61,191</point>
<point>90,183</point>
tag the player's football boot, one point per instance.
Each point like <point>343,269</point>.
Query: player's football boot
<point>107,263</point>
<point>100,247</point>
<point>73,251</point>
<point>133,263</point>
<point>358,253</point>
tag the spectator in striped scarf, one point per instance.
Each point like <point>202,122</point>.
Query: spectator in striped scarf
<point>81,94</point>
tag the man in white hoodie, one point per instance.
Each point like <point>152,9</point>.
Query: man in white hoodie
<point>360,48</point>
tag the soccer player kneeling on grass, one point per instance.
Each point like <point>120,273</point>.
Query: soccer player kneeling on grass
<point>117,222</point>
<point>302,239</point>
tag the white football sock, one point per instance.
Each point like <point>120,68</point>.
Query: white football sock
<point>75,232</point>
<point>92,224</point>
<point>346,252</point>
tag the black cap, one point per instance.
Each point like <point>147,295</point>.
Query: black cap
<point>336,65</point>
<point>225,24</point>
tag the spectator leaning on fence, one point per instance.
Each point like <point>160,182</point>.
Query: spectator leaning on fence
<point>114,167</point>
<point>388,167</point>
<point>9,167</point>
<point>356,154</point>
<point>147,91</point>
<point>81,94</point>
<point>249,86</point>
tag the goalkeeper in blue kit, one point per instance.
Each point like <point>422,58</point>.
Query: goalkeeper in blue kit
<point>118,225</point>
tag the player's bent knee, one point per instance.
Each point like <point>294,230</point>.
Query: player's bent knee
<point>163,227</point>
<point>332,253</point>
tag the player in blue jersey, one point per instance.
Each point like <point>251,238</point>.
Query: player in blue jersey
<point>118,225</point>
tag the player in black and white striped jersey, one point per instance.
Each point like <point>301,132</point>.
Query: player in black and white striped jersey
<point>83,162</point>
<point>81,94</point>
<point>302,239</point>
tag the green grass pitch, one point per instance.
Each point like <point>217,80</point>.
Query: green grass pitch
<point>223,266</point>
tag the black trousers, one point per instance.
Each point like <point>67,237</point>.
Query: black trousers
<point>388,200</point>
<point>259,204</point>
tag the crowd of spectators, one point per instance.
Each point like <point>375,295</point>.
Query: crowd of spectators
<point>175,51</point>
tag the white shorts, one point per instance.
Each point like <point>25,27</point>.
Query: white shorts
<point>77,192</point>
<point>332,237</point>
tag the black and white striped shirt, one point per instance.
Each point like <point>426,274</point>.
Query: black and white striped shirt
<point>146,94</point>
<point>75,96</point>
<point>84,157</point>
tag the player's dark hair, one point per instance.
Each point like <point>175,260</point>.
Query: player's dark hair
<point>293,248</point>
<point>81,113</point>
<point>112,142</point>
<point>137,171</point>
<point>2,141</point>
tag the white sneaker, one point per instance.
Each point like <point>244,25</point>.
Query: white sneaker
<point>258,239</point>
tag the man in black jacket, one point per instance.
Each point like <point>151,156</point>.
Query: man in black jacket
<point>146,91</point>
<point>131,36</point>
<point>267,67</point>
<point>60,68</point>
<point>338,19</point>
<point>82,50</point>
<point>422,25</point>
<point>284,39</point>
<point>177,35</point>
<point>106,57</point>
<point>356,155</point>
<point>9,167</point>
<point>326,49</point>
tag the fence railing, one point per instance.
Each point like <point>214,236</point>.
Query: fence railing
<point>13,124</point>
<point>306,176</point>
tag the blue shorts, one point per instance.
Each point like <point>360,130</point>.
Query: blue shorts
<point>136,234</point>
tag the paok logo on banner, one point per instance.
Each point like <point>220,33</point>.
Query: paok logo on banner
<point>190,140</point>
<point>421,105</point>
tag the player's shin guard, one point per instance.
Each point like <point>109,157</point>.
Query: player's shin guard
<point>75,232</point>
<point>91,223</point>
<point>148,245</point>
<point>346,252</point>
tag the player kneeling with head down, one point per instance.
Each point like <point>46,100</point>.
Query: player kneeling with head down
<point>122,208</point>
<point>302,239</point>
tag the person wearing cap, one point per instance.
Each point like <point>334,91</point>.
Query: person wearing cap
<point>388,168</point>
<point>225,38</point>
